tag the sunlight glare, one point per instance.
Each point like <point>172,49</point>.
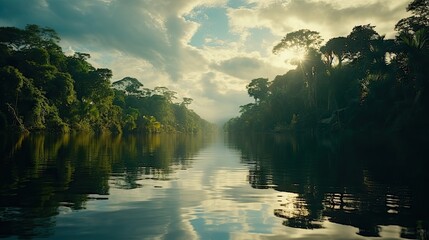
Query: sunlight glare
<point>298,55</point>
<point>290,56</point>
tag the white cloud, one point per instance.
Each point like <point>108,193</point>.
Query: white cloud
<point>330,18</point>
<point>247,68</point>
<point>219,95</point>
<point>151,40</point>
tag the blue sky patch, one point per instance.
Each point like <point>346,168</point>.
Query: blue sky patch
<point>214,28</point>
<point>240,4</point>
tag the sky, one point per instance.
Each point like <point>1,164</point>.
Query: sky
<point>208,50</point>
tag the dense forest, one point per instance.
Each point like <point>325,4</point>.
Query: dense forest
<point>360,82</point>
<point>41,88</point>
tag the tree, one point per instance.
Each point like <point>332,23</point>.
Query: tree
<point>151,124</point>
<point>378,83</point>
<point>43,37</point>
<point>418,40</point>
<point>303,39</point>
<point>131,86</point>
<point>32,36</point>
<point>363,40</point>
<point>14,38</point>
<point>418,20</point>
<point>12,80</point>
<point>61,90</point>
<point>166,93</point>
<point>97,85</point>
<point>41,88</point>
<point>258,89</point>
<point>337,47</point>
<point>187,101</point>
<point>247,108</point>
<point>11,83</point>
<point>413,61</point>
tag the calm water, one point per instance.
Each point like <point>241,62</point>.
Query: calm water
<point>208,187</point>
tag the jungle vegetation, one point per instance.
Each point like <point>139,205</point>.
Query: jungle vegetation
<point>359,82</point>
<point>41,88</point>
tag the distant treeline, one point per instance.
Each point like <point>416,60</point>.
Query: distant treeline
<point>361,82</point>
<point>41,88</point>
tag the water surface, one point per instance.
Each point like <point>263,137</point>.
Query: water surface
<point>208,187</point>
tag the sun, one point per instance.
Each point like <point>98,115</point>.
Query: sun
<point>298,55</point>
<point>291,56</point>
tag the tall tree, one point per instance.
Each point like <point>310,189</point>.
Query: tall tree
<point>335,48</point>
<point>131,86</point>
<point>303,40</point>
<point>418,20</point>
<point>363,39</point>
<point>258,89</point>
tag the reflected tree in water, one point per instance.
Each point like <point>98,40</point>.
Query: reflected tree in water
<point>43,175</point>
<point>364,182</point>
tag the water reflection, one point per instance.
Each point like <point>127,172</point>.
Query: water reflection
<point>366,183</point>
<point>192,187</point>
<point>42,175</point>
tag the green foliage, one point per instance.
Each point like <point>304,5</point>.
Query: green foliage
<point>335,49</point>
<point>151,124</point>
<point>418,40</point>
<point>12,80</point>
<point>131,86</point>
<point>361,82</point>
<point>153,110</point>
<point>258,89</point>
<point>301,39</point>
<point>187,101</point>
<point>418,20</point>
<point>43,89</point>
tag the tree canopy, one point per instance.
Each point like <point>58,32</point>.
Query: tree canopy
<point>44,89</point>
<point>303,39</point>
<point>359,82</point>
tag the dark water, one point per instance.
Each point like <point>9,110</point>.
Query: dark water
<point>208,187</point>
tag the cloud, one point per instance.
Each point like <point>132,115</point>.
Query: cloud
<point>219,96</point>
<point>153,30</point>
<point>246,68</point>
<point>330,18</point>
<point>240,67</point>
<point>204,49</point>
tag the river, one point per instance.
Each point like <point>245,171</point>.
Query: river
<point>265,186</point>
